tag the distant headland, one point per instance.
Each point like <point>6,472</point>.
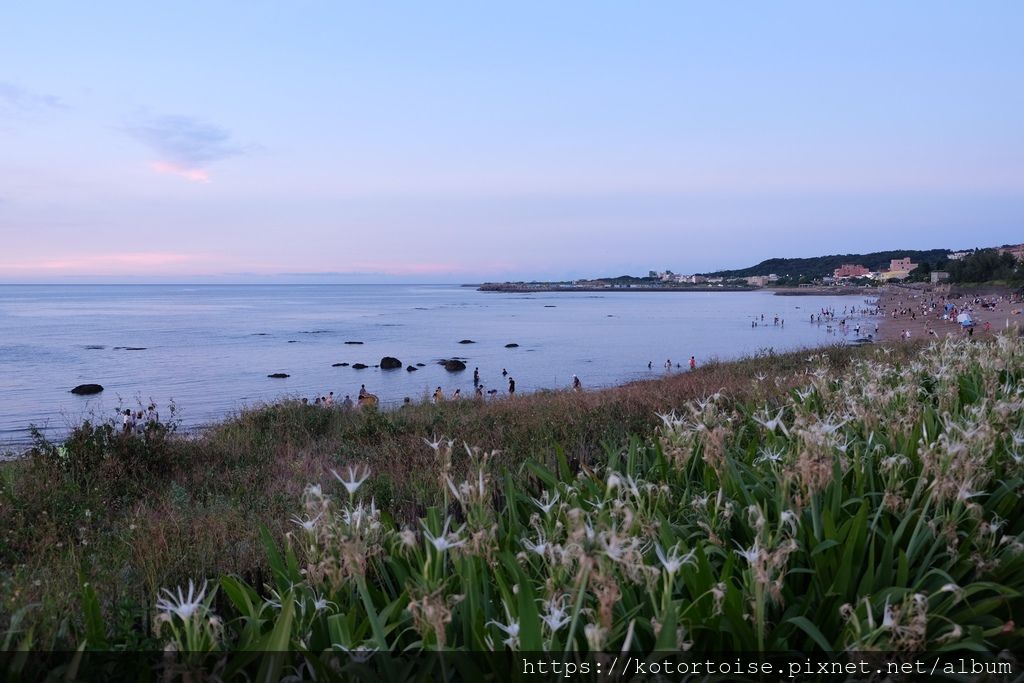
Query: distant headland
<point>833,274</point>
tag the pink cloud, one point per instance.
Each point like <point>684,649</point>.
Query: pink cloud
<point>196,175</point>
<point>408,268</point>
<point>101,263</point>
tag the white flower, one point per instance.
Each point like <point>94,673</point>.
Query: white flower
<point>751,554</point>
<point>555,615</point>
<point>789,518</point>
<point>766,454</point>
<point>307,524</point>
<point>353,482</point>
<point>444,541</point>
<point>673,562</point>
<point>181,605</point>
<point>546,502</point>
<point>771,423</point>
<point>540,547</point>
<point>510,629</point>
<point>889,616</point>
<point>965,493</point>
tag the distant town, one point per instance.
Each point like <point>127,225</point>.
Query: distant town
<point>851,270</point>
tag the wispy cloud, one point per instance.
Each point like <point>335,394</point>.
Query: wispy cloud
<point>16,100</point>
<point>99,263</point>
<point>185,146</point>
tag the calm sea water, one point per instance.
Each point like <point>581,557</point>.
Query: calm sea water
<point>210,348</point>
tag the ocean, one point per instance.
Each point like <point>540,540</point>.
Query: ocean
<point>210,348</point>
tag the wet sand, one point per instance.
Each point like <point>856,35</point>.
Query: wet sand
<point>927,302</point>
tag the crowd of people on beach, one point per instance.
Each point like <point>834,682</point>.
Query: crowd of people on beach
<point>944,313</point>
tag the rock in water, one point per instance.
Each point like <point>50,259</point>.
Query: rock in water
<point>353,342</point>
<point>467,341</point>
<point>411,368</point>
<point>513,345</point>
<point>390,363</point>
<point>359,366</point>
<point>279,375</point>
<point>453,365</point>
<point>87,389</point>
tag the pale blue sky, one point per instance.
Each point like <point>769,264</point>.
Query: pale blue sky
<point>450,141</point>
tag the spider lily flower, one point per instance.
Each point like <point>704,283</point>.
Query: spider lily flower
<point>771,423</point>
<point>555,615</point>
<point>359,655</point>
<point>546,502</point>
<point>182,605</point>
<point>766,454</point>
<point>353,482</point>
<point>510,629</point>
<point>307,524</point>
<point>540,547</point>
<point>751,554</point>
<point>789,518</point>
<point>444,541</point>
<point>673,561</point>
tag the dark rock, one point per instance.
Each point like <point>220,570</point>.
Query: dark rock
<point>353,342</point>
<point>293,341</point>
<point>467,341</point>
<point>259,334</point>
<point>513,345</point>
<point>279,375</point>
<point>549,306</point>
<point>95,347</point>
<point>453,365</point>
<point>411,368</point>
<point>359,366</point>
<point>129,348</point>
<point>390,363</point>
<point>339,365</point>
<point>87,389</point>
<point>421,365</point>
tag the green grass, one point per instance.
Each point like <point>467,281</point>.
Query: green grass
<point>845,499</point>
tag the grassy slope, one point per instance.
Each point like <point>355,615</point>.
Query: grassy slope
<point>131,515</point>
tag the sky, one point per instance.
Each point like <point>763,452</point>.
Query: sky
<point>459,141</point>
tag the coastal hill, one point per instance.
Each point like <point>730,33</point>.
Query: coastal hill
<point>823,266</point>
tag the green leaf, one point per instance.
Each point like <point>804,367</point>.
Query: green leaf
<point>805,625</point>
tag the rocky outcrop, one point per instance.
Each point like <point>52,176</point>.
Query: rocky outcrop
<point>467,341</point>
<point>453,365</point>
<point>390,363</point>
<point>359,366</point>
<point>513,345</point>
<point>353,342</point>
<point>411,368</point>
<point>87,389</point>
<point>279,375</point>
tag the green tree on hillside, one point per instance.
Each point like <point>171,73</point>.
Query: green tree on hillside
<point>986,265</point>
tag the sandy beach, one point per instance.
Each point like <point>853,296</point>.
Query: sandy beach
<point>920,310</point>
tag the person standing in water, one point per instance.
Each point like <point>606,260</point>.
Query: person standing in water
<point>438,395</point>
<point>476,377</point>
<point>576,384</point>
<point>693,363</point>
<point>511,386</point>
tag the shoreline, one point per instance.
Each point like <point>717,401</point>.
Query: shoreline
<point>12,452</point>
<point>508,288</point>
